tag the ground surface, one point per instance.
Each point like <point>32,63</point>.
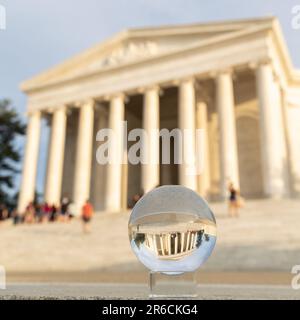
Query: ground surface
<point>140,291</point>
<point>259,248</point>
<point>265,237</point>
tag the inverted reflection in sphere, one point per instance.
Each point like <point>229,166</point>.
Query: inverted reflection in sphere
<point>172,230</point>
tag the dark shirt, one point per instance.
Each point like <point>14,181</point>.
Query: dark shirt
<point>232,196</point>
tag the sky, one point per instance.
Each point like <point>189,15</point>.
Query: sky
<point>40,34</point>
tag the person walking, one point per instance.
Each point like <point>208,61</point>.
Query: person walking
<point>30,213</point>
<point>53,213</point>
<point>46,209</point>
<point>64,207</point>
<point>38,213</point>
<point>233,205</point>
<point>87,213</point>
<point>136,197</point>
<point>3,212</point>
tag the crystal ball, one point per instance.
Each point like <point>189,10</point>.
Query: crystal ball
<point>172,230</point>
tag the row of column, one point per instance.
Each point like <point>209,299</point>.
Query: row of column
<point>171,244</point>
<point>271,137</point>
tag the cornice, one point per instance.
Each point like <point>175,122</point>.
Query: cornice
<point>29,86</point>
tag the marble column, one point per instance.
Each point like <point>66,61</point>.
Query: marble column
<point>169,244</point>
<point>202,149</point>
<point>176,243</point>
<point>187,125</point>
<point>56,157</point>
<point>150,170</point>
<point>227,127</point>
<point>192,240</point>
<point>182,241</point>
<point>188,242</point>
<point>273,146</point>
<point>195,240</point>
<point>28,183</point>
<point>114,169</point>
<point>83,161</point>
<point>154,237</point>
<point>162,245</point>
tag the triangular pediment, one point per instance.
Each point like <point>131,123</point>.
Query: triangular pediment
<point>137,45</point>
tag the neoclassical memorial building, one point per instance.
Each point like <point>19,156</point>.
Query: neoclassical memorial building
<point>234,80</point>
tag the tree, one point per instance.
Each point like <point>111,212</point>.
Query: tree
<point>11,126</point>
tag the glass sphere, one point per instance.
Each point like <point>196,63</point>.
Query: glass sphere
<point>172,230</point>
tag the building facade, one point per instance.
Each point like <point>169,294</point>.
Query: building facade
<point>234,80</point>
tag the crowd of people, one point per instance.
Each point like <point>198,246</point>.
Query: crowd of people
<point>44,212</point>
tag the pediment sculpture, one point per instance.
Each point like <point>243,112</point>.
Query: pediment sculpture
<point>130,52</point>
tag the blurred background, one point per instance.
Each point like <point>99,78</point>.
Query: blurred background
<point>259,247</point>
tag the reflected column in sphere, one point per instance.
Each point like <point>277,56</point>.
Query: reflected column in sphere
<point>172,230</point>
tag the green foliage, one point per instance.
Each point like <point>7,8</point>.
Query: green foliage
<point>11,127</point>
